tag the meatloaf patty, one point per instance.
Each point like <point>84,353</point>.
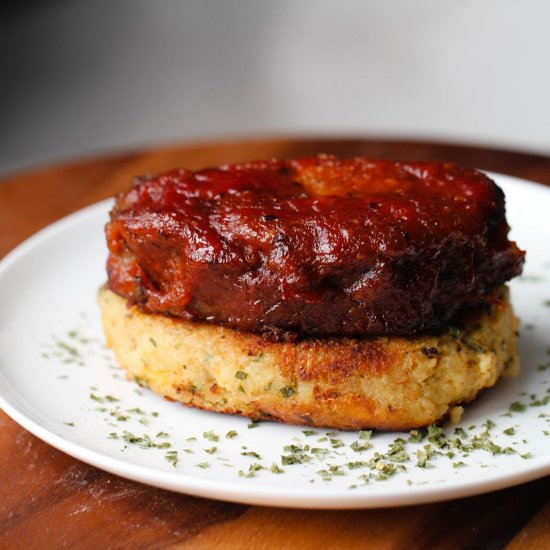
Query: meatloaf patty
<point>318,246</point>
<point>389,383</point>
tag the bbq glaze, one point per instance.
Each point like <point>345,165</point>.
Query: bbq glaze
<point>316,246</point>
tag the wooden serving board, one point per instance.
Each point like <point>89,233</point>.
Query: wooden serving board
<point>50,500</point>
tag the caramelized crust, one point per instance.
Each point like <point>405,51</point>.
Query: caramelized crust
<point>318,246</point>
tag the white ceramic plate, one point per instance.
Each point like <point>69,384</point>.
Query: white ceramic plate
<point>58,381</point>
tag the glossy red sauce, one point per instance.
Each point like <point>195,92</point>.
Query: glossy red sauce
<point>312,246</point>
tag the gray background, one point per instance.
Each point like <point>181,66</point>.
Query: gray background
<point>84,77</point>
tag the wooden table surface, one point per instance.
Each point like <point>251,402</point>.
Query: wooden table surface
<point>50,500</point>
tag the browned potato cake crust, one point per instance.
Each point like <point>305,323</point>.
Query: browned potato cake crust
<point>385,383</point>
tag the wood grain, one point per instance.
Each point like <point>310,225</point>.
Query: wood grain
<point>50,500</point>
